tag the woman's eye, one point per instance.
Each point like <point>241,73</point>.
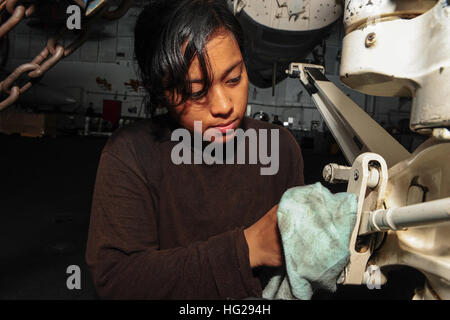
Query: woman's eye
<point>234,80</point>
<point>197,94</point>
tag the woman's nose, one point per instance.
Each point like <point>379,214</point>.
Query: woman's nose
<point>221,103</point>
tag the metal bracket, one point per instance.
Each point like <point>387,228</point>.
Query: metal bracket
<point>370,197</point>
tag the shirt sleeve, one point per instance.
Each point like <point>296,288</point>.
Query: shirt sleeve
<point>297,165</point>
<point>123,249</point>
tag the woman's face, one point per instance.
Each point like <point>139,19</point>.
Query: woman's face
<point>223,107</point>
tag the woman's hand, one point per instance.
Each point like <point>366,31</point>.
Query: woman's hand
<point>263,240</point>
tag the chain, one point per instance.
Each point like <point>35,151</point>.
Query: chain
<point>18,12</point>
<point>2,4</point>
<point>53,52</point>
<point>118,13</point>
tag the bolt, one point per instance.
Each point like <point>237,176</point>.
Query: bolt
<point>356,175</point>
<point>327,173</point>
<point>373,277</point>
<point>374,177</point>
<point>441,133</point>
<point>370,40</point>
<point>341,278</point>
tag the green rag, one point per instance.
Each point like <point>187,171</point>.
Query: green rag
<point>315,227</point>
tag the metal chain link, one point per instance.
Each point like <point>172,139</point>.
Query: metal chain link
<point>11,5</point>
<point>118,13</point>
<point>14,92</point>
<point>53,52</point>
<point>2,5</point>
<point>18,12</point>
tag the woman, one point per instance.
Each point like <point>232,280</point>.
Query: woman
<point>161,230</point>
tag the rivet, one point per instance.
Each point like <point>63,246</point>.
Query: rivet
<point>356,175</point>
<point>370,40</point>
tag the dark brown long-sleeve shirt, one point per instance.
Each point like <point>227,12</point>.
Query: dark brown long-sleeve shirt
<point>165,231</point>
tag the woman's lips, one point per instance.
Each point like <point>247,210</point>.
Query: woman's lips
<point>223,128</point>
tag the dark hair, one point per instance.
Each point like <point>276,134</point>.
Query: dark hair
<point>161,30</point>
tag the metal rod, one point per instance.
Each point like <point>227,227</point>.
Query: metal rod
<point>410,216</point>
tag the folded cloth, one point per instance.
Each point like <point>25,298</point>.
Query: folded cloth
<point>315,227</point>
